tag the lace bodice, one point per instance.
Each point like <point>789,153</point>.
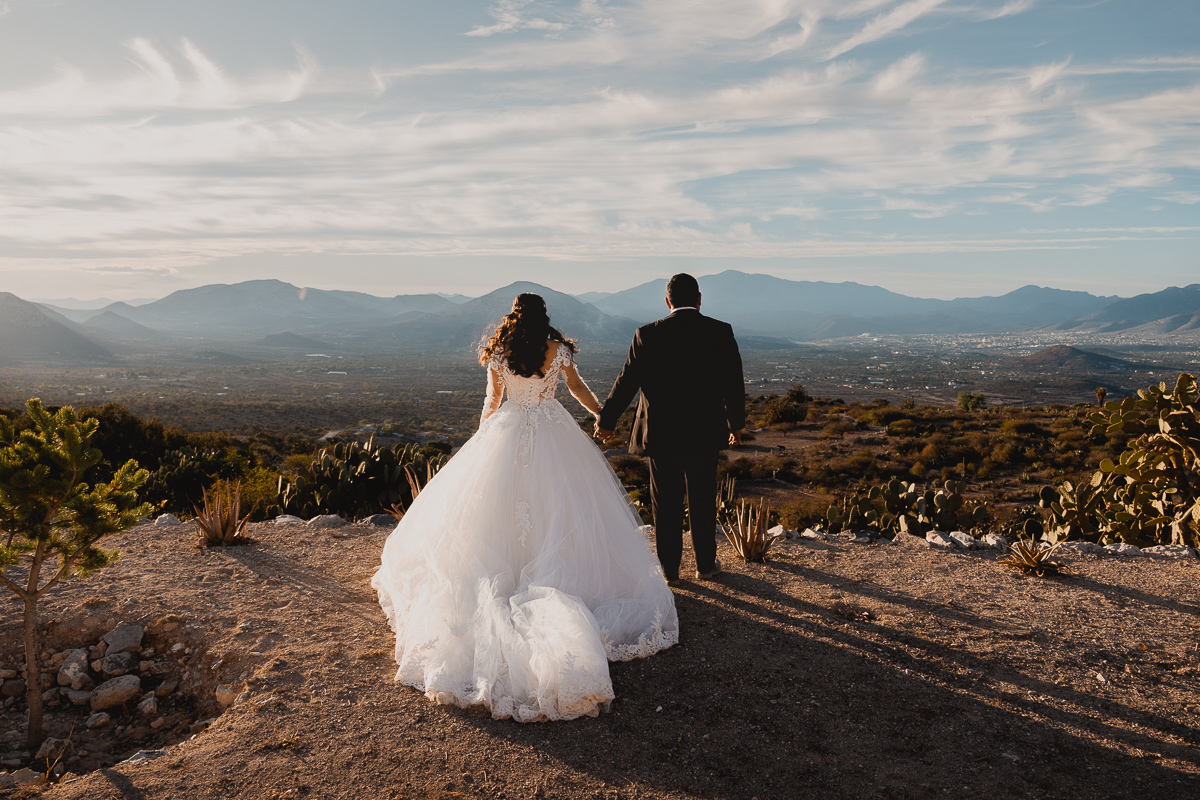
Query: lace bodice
<point>528,394</point>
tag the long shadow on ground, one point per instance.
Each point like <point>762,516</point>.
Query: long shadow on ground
<point>759,701</point>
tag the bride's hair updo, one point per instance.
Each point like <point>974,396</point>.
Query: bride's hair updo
<point>523,337</point>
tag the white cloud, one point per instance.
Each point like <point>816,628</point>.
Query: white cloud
<point>886,24</point>
<point>1009,9</point>
<point>1041,75</point>
<point>509,17</point>
<point>157,85</point>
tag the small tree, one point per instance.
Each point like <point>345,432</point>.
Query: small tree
<point>52,521</point>
<point>1101,393</point>
<point>971,401</point>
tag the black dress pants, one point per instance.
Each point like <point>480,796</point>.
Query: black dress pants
<point>673,475</point>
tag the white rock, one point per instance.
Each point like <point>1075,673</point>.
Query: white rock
<point>908,540</point>
<point>225,696</point>
<point>123,638</point>
<point>144,755</point>
<point>327,521</point>
<point>149,705</point>
<point>939,539</point>
<point>1081,548</point>
<point>74,670</point>
<point>1123,549</point>
<point>1170,551</point>
<point>98,720</point>
<point>809,533</point>
<point>115,692</point>
<point>966,540</point>
<point>995,541</point>
<point>288,519</point>
<point>168,519</point>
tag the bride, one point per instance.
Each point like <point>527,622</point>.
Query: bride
<point>519,572</point>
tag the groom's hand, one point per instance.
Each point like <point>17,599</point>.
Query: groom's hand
<point>602,434</point>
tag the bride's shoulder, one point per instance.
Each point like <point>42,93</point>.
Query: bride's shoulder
<point>562,352</point>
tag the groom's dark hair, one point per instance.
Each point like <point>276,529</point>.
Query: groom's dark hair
<point>683,291</point>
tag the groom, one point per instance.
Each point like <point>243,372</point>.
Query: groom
<point>693,404</point>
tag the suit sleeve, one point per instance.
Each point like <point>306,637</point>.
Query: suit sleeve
<point>733,385</point>
<point>627,385</point>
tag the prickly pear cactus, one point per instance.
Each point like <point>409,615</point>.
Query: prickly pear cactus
<point>1151,493</point>
<point>355,480</point>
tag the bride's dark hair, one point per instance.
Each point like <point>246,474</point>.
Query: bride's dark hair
<point>523,337</point>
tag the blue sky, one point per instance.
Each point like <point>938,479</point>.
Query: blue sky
<point>933,147</point>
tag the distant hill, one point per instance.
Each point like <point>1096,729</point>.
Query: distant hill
<point>112,323</point>
<point>770,306</point>
<point>1065,358</point>
<point>31,333</point>
<point>270,306</point>
<point>1032,306</point>
<point>765,304</point>
<point>1174,303</point>
<point>465,324</point>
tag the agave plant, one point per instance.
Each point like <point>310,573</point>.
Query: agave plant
<point>1030,557</point>
<point>220,523</point>
<point>747,531</point>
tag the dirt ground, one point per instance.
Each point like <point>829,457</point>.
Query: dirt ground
<point>834,670</point>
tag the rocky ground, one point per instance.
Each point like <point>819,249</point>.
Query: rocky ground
<point>835,670</point>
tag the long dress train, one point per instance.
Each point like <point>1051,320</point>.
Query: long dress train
<point>520,570</point>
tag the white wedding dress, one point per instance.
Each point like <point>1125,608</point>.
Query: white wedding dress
<point>520,572</point>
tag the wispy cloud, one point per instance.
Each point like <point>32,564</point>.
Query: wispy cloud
<point>192,82</point>
<point>886,24</point>
<point>122,269</point>
<point>1008,9</point>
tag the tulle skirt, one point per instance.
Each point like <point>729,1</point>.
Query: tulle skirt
<point>520,571</point>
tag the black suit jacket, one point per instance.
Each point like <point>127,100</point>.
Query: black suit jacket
<point>689,371</point>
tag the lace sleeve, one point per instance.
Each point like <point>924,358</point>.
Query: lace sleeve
<point>578,388</point>
<point>495,392</point>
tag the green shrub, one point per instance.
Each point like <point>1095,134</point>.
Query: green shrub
<point>971,401</point>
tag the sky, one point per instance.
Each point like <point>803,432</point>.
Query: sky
<point>933,147</point>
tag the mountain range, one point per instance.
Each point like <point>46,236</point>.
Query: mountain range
<point>767,312</point>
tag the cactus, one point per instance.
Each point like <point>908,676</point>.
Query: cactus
<point>1151,493</point>
<point>899,507</point>
<point>356,480</point>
